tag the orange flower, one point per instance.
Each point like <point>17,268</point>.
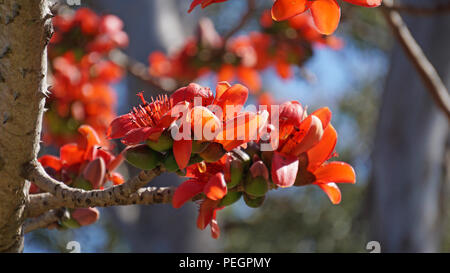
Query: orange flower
<point>214,116</point>
<point>83,164</point>
<point>326,13</point>
<point>313,168</point>
<point>209,179</point>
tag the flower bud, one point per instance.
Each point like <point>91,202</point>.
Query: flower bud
<point>81,183</point>
<point>164,142</point>
<point>85,216</point>
<point>230,198</point>
<point>254,202</point>
<point>142,157</point>
<point>243,156</point>
<point>198,146</point>
<point>70,223</point>
<point>259,169</point>
<point>256,187</point>
<point>170,164</point>
<point>95,172</point>
<point>311,138</point>
<point>195,159</point>
<point>252,149</point>
<point>237,172</point>
<point>213,152</point>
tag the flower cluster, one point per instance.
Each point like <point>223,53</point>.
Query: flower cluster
<point>326,13</point>
<point>84,165</point>
<point>82,74</point>
<point>221,151</point>
<point>280,45</point>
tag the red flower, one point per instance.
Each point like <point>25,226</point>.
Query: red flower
<point>313,168</point>
<point>209,179</point>
<point>150,120</point>
<point>297,134</point>
<point>326,13</point>
<point>83,161</point>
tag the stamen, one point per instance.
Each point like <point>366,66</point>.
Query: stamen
<point>141,95</point>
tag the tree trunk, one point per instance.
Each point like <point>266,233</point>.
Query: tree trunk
<point>407,189</point>
<point>25,29</point>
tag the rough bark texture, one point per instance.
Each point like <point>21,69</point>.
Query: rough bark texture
<point>25,29</point>
<point>407,192</point>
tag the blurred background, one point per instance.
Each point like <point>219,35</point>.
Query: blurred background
<point>389,130</point>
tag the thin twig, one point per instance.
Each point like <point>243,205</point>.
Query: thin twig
<point>251,5</point>
<point>44,220</point>
<point>426,70</point>
<point>139,70</point>
<point>415,10</point>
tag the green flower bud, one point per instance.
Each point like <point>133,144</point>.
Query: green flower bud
<point>252,149</point>
<point>230,198</point>
<point>254,202</point>
<point>70,223</point>
<point>164,142</point>
<point>82,183</point>
<point>198,147</point>
<point>195,159</point>
<point>170,163</point>
<point>243,156</point>
<point>142,157</point>
<point>237,173</point>
<point>213,152</point>
<point>256,186</point>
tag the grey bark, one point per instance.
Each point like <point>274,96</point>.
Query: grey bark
<point>408,188</point>
<point>25,29</point>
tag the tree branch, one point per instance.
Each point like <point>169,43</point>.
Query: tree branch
<point>139,70</point>
<point>251,5</point>
<point>43,202</point>
<point>74,197</point>
<point>427,72</point>
<point>415,10</point>
<point>45,219</point>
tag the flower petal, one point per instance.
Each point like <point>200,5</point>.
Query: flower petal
<point>206,213</point>
<point>204,123</point>
<point>90,140</point>
<point>221,87</point>
<point>338,172</point>
<point>323,150</point>
<point>216,188</point>
<point>71,154</point>
<point>182,150</point>
<point>186,191</point>
<point>285,9</point>
<point>235,96</point>
<point>324,114</point>
<point>326,15</point>
<point>242,129</point>
<point>138,135</point>
<point>50,161</point>
<point>191,92</point>
<point>333,192</point>
<point>120,126</point>
<point>284,169</point>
